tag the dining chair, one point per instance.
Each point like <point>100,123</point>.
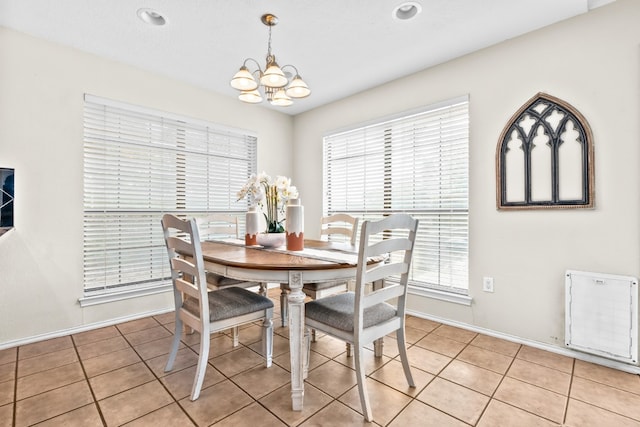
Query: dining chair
<point>223,226</point>
<point>343,224</point>
<point>337,224</point>
<point>363,316</point>
<point>204,311</point>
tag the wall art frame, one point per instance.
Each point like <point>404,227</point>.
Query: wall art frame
<point>7,197</point>
<point>544,157</point>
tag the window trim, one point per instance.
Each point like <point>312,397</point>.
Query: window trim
<point>442,295</point>
<point>89,300</point>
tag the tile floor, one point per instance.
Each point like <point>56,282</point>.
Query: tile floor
<point>114,376</point>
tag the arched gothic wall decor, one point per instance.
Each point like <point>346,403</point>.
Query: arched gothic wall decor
<point>544,157</point>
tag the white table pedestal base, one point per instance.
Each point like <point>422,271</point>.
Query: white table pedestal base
<point>296,339</point>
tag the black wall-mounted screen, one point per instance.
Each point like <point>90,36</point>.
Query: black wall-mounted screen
<point>6,197</point>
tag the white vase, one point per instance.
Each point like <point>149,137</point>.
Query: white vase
<point>252,225</point>
<point>295,225</point>
<point>271,240</point>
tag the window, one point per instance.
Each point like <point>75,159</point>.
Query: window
<point>138,165</point>
<point>415,163</point>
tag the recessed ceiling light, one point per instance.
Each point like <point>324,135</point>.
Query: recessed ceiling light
<point>406,11</point>
<point>151,17</point>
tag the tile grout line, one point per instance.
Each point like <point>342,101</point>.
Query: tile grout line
<point>531,384</point>
<point>492,398</point>
<point>156,377</point>
<point>227,378</point>
<point>466,345</point>
<point>15,387</point>
<point>454,358</point>
<point>257,401</point>
<point>503,376</point>
<point>84,371</point>
<point>634,420</point>
<point>566,405</point>
<point>254,400</point>
<point>333,399</point>
<point>412,398</point>
<point>85,379</point>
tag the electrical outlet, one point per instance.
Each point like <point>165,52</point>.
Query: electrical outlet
<point>487,284</point>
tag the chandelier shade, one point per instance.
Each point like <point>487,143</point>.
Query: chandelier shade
<point>250,96</point>
<point>276,83</point>
<point>243,80</point>
<point>273,76</point>
<point>281,99</point>
<point>298,88</point>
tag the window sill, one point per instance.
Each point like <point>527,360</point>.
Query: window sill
<point>441,295</point>
<point>87,301</point>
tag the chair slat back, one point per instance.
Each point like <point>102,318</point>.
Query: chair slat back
<point>381,295</point>
<point>218,225</point>
<point>388,246</point>
<point>393,237</point>
<point>187,287</point>
<point>188,275</point>
<point>383,271</point>
<point>342,224</point>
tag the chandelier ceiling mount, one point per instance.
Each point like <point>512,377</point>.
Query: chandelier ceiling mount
<point>277,87</point>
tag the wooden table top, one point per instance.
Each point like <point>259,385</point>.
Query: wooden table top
<point>232,255</point>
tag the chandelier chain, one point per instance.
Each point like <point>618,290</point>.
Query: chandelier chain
<point>269,55</point>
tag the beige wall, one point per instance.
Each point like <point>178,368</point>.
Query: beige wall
<point>590,61</point>
<point>41,101</point>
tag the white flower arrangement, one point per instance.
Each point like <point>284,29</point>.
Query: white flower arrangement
<point>271,196</point>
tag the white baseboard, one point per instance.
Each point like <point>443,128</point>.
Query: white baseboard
<point>78,329</point>
<point>84,328</point>
<point>634,369</point>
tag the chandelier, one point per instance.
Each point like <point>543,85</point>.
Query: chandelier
<point>277,87</point>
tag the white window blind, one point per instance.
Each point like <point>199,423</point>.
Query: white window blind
<point>418,164</point>
<point>140,164</point>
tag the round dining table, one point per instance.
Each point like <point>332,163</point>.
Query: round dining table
<point>319,261</point>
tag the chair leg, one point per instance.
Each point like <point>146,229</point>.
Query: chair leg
<point>235,335</point>
<point>402,349</point>
<point>263,289</point>
<point>187,329</point>
<point>313,335</point>
<point>362,387</point>
<point>177,334</point>
<point>203,358</point>
<point>378,347</point>
<point>349,350</point>
<point>284,306</point>
<point>267,338</point>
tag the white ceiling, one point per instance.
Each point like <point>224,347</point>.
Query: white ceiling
<point>340,47</point>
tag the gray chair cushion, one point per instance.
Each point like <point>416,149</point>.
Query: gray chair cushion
<point>221,281</point>
<point>316,286</point>
<point>230,302</point>
<point>322,285</point>
<point>337,311</point>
